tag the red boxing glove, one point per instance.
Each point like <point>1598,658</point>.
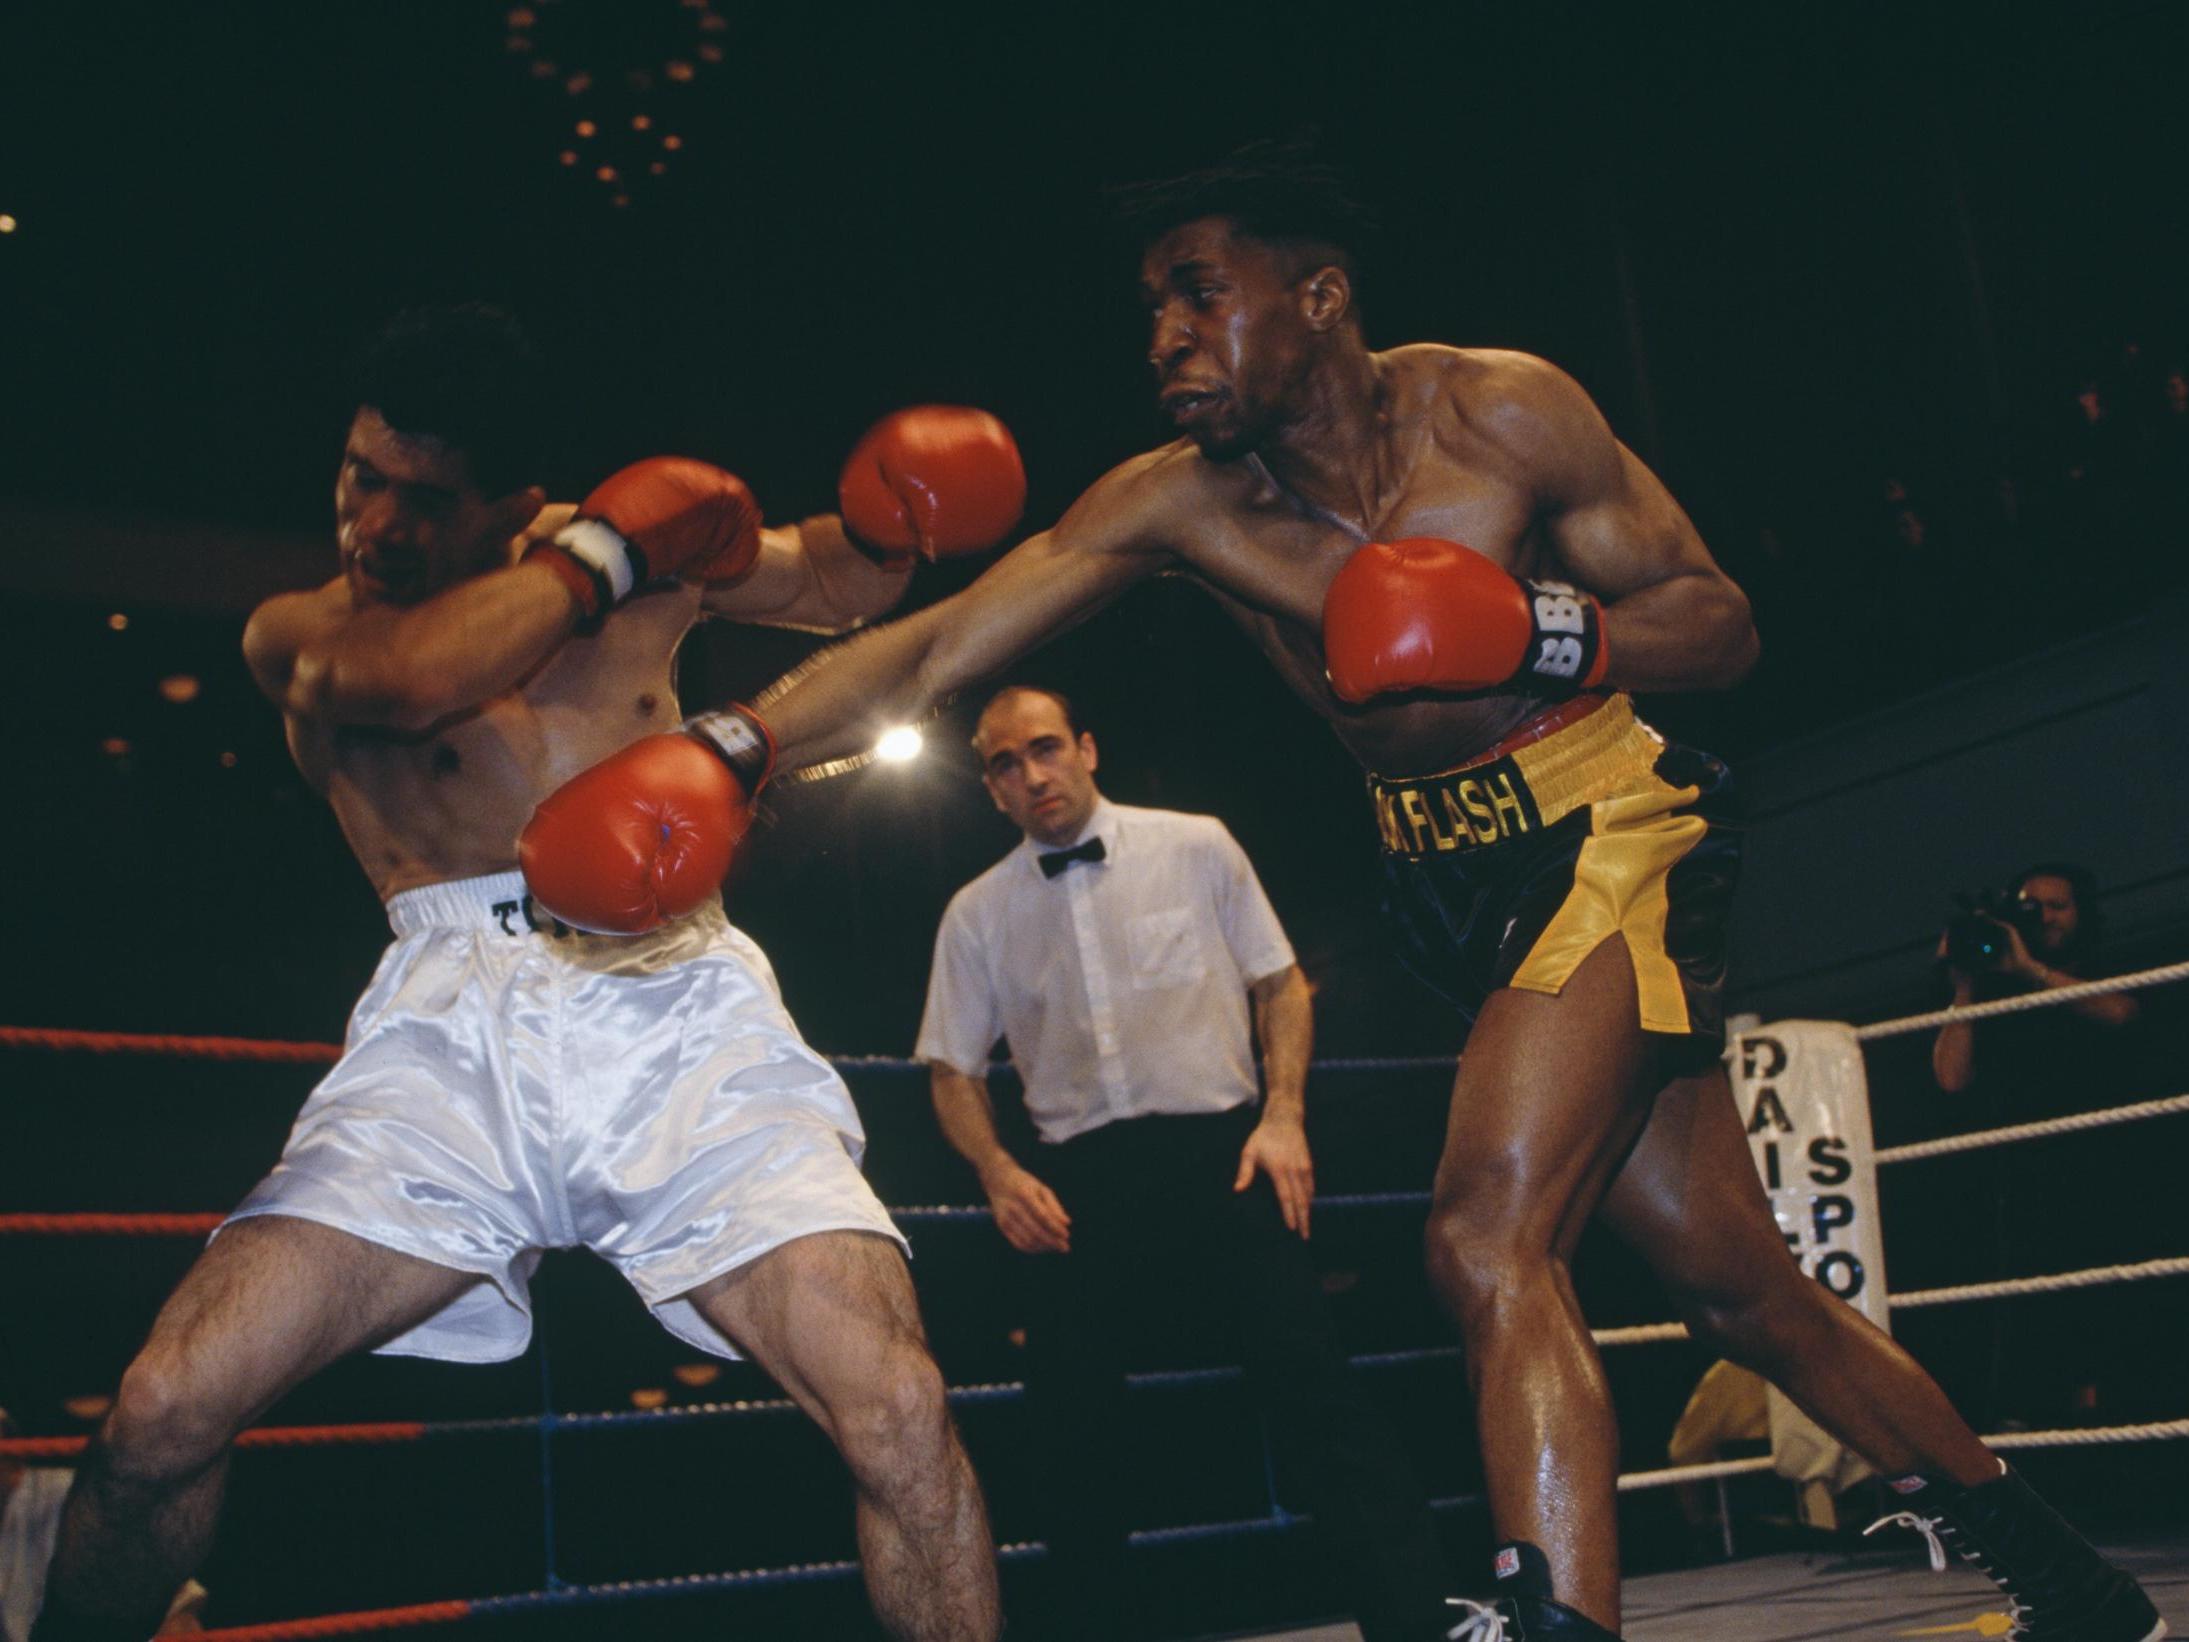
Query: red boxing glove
<point>933,480</point>
<point>665,516</point>
<point>647,835</point>
<point>1424,614</point>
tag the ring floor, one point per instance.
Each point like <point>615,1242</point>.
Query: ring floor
<point>1810,1598</point>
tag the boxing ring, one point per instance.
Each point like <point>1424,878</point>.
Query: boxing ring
<point>1650,1611</point>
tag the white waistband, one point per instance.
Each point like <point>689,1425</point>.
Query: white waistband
<point>500,902</point>
<point>497,900</point>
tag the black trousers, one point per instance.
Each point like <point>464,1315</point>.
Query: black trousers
<point>1154,1220</point>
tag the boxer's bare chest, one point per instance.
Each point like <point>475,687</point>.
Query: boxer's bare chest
<point>421,809</point>
<point>1270,560</point>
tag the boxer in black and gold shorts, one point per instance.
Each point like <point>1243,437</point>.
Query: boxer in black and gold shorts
<point>1510,869</point>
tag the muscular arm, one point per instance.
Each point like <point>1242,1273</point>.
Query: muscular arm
<point>317,656</point>
<point>1672,619</point>
<point>899,673</point>
<point>811,575</point>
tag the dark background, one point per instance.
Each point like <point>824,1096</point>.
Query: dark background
<point>1796,253</point>
<point>1839,273</point>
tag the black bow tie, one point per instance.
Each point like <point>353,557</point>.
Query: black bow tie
<point>1057,860</point>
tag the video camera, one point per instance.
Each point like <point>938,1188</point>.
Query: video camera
<point>1976,943</point>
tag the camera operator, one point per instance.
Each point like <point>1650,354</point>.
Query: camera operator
<point>2055,911</point>
<point>2060,1358</point>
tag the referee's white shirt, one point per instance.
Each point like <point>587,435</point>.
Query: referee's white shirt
<point>1121,983</point>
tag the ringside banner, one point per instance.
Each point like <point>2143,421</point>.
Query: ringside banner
<point>1806,1106</point>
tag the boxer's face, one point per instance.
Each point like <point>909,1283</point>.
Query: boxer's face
<point>1037,771</point>
<point>1234,334</point>
<point>409,517</point>
<point>2056,896</point>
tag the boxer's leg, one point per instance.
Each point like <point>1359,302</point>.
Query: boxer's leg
<point>833,1318</point>
<point>1689,1202</point>
<point>1550,1094</point>
<point>272,1301</point>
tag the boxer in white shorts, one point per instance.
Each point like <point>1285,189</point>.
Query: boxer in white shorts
<point>508,1086</point>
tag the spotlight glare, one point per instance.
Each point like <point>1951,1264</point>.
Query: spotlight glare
<point>899,745</point>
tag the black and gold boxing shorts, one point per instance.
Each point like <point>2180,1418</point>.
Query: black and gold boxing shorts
<point>1511,869</point>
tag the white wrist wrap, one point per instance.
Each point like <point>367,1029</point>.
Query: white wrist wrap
<point>596,544</point>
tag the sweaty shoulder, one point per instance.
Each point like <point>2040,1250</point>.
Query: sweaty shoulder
<point>282,626</point>
<point>1526,407</point>
<point>1154,502</point>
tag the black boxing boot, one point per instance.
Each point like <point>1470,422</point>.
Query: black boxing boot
<point>2058,1588</point>
<point>1524,1611</point>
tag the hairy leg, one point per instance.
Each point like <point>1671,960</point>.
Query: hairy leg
<point>1689,1202</point>
<point>1551,1093</point>
<point>271,1302</point>
<point>832,1316</point>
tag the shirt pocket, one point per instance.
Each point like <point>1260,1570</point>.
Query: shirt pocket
<point>1165,949</point>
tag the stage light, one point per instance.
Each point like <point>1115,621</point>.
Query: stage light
<point>672,142</point>
<point>679,70</point>
<point>642,122</point>
<point>115,746</point>
<point>568,156</point>
<point>179,688</point>
<point>118,622</point>
<point>227,761</point>
<point>586,128</point>
<point>7,223</point>
<point>899,745</point>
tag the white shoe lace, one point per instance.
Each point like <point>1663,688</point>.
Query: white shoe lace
<point>1479,1623</point>
<point>2017,1614</point>
<point>1926,1526</point>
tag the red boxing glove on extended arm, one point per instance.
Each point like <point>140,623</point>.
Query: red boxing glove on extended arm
<point>1424,614</point>
<point>933,480</point>
<point>665,516</point>
<point>645,836</point>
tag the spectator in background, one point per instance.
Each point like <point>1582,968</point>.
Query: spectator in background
<point>2050,1210</point>
<point>2070,923</point>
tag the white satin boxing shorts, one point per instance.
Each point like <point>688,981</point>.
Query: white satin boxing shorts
<point>508,1086</point>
